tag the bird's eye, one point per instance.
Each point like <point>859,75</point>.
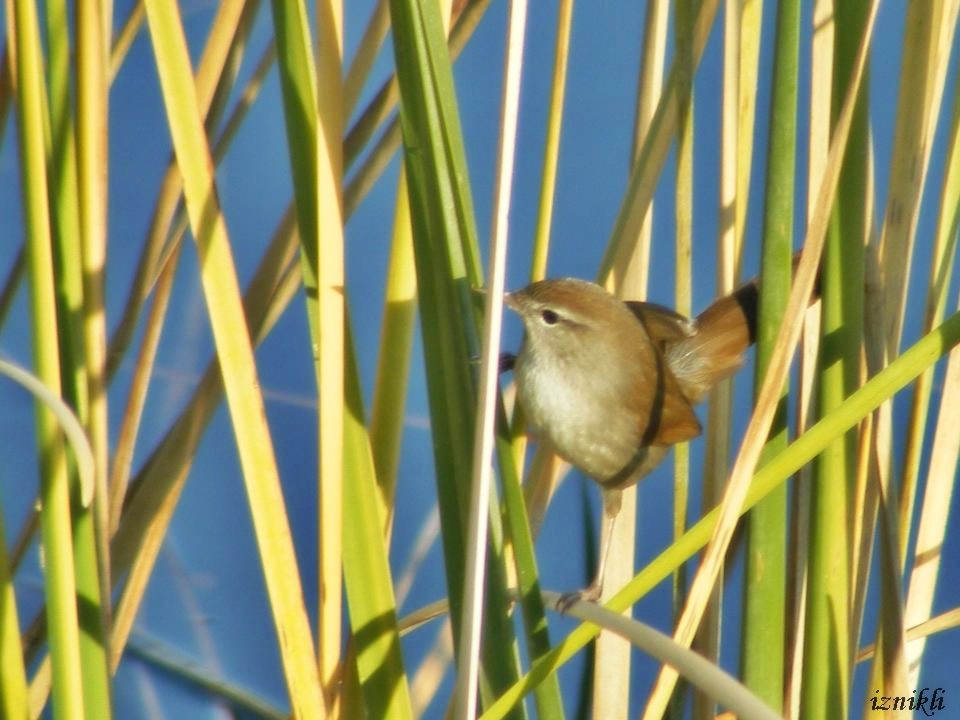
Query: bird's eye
<point>549,317</point>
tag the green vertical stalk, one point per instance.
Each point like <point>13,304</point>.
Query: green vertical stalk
<point>55,523</point>
<point>65,191</point>
<point>707,641</point>
<point>366,568</point>
<point>13,679</point>
<point>551,152</point>
<point>829,636</point>
<point>764,595</point>
<point>447,261</point>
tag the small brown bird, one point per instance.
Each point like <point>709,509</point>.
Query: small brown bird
<point>610,385</point>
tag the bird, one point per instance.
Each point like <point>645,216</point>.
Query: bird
<point>610,385</point>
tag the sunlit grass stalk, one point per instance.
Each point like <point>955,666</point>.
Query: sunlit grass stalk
<point>92,584</point>
<point>55,521</point>
<point>925,55</point>
<point>368,580</point>
<point>331,315</point>
<point>650,79</point>
<point>548,695</point>
<point>818,125</point>
<point>629,278</point>
<point>543,475</point>
<point>762,633</point>
<point>158,260</point>
<point>931,526</point>
<point>447,260</point>
<point>228,28</point>
<point>551,151</point>
<point>742,22</point>
<point>928,38</point>
<point>708,641</point>
<point>13,680</point>
<point>829,638</point>
<point>653,152</point>
<point>393,367</point>
<point>482,494</point>
<point>239,372</point>
<point>155,490</point>
<point>92,131</point>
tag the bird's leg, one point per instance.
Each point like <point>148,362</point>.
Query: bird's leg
<point>611,508</point>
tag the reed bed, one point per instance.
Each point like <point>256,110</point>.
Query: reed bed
<point>811,536</point>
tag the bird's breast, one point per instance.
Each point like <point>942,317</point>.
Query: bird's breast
<point>580,416</point>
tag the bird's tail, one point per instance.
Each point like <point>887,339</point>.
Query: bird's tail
<point>715,350</point>
<point>723,332</point>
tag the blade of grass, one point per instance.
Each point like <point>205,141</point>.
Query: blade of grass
<point>55,521</point>
<point>828,633</point>
<point>653,153</point>
<point>928,43</point>
<point>551,150</point>
<point>935,510</point>
<point>80,366</point>
<point>153,267</point>
<point>210,70</point>
<point>156,489</point>
<point>13,679</point>
<point>923,577</point>
<point>447,261</point>
<point>764,600</point>
<point>707,643</point>
<point>396,344</point>
<point>236,357</point>
<point>370,44</point>
<point>547,696</point>
<point>819,124</point>
<point>471,627</point>
<point>328,337</point>
<point>366,568</point>
<point>927,53</point>
<point>93,528</point>
<point>385,99</point>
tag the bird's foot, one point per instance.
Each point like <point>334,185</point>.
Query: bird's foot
<point>568,600</point>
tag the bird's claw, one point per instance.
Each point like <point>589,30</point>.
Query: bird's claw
<point>568,600</point>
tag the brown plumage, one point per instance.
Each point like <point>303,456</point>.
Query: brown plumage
<point>610,386</point>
